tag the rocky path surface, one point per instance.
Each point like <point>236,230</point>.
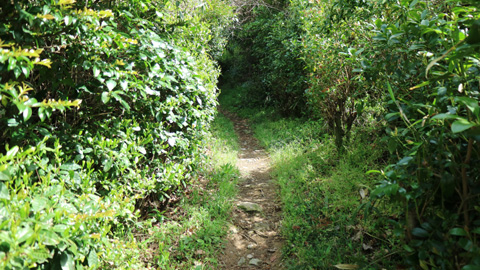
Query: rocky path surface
<point>254,241</point>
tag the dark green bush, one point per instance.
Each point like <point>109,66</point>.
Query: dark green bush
<point>268,47</point>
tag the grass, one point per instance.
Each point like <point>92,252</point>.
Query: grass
<point>324,195</point>
<point>190,235</point>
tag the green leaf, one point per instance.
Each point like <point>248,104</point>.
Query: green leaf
<point>390,91</point>
<point>419,232</point>
<point>50,238</point>
<point>40,255</point>
<point>66,262</point>
<point>474,33</point>
<point>39,203</point>
<point>124,104</point>
<point>373,171</point>
<point>108,165</point>
<point>443,116</point>
<point>12,152</point>
<point>41,113</point>
<point>461,125</point>
<point>70,167</point>
<point>92,258</point>
<point>392,116</point>
<point>60,228</point>
<point>124,84</point>
<point>27,113</point>
<point>5,247</point>
<point>149,91</point>
<point>472,104</point>
<point>121,100</point>
<point>4,193</point>
<point>408,248</point>
<point>471,267</point>
<point>31,102</point>
<point>458,232</point>
<point>4,176</point>
<point>25,71</point>
<point>111,84</point>
<point>420,85</point>
<point>105,97</point>
<point>23,234</point>
<point>12,122</point>
<point>17,71</point>
<point>442,91</point>
<point>466,244</point>
<point>96,71</point>
<point>12,63</point>
<point>68,20</point>
<point>404,161</point>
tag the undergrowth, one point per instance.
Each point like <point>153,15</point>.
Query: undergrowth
<point>190,234</point>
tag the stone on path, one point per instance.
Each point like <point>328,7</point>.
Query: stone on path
<point>241,261</point>
<point>249,206</point>
<point>255,262</point>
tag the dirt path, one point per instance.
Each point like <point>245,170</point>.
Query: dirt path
<point>254,240</point>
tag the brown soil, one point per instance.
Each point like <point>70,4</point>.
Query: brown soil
<point>253,235</point>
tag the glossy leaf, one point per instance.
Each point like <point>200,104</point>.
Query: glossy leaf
<point>458,232</point>
<point>70,167</point>
<point>461,125</point>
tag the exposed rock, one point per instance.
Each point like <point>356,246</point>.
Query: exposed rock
<point>250,246</point>
<point>249,206</point>
<point>255,262</point>
<point>249,256</point>
<point>241,261</point>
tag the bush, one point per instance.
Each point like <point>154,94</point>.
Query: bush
<point>268,44</point>
<point>102,113</point>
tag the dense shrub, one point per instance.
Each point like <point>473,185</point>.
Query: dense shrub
<point>103,107</point>
<point>268,42</point>
<point>433,125</point>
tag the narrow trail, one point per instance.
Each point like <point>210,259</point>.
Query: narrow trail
<point>253,240</point>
